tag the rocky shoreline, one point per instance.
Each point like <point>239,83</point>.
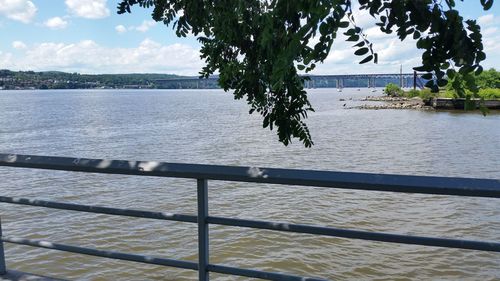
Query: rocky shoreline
<point>384,98</point>
<point>393,103</point>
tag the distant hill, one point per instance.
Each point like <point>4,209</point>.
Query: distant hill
<point>63,80</point>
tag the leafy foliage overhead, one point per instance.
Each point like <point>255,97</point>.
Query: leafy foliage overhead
<point>258,46</point>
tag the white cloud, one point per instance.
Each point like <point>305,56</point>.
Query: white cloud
<point>362,18</point>
<point>18,45</point>
<point>486,20</point>
<point>375,33</point>
<point>5,59</point>
<point>90,9</point>
<point>490,25</point>
<point>89,57</point>
<point>391,54</point>
<point>55,23</point>
<point>391,51</point>
<point>19,10</point>
<point>489,31</point>
<point>120,29</point>
<point>491,43</point>
<point>145,26</point>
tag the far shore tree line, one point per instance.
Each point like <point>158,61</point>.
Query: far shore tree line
<point>63,80</point>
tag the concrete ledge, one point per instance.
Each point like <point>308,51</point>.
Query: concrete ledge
<point>447,103</point>
<point>14,275</point>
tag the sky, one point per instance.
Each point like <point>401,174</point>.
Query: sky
<point>88,36</point>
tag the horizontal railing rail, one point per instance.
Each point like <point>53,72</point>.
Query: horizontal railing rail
<point>361,181</point>
<point>99,209</point>
<point>203,173</point>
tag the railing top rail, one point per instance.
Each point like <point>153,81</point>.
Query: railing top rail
<point>346,180</point>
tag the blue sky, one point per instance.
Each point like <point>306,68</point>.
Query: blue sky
<point>87,36</point>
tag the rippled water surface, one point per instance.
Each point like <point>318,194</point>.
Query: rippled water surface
<point>210,127</point>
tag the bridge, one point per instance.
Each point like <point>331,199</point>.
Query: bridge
<point>202,174</point>
<point>404,80</point>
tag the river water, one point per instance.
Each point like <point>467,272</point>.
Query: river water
<point>210,127</point>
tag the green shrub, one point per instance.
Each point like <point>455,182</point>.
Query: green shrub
<point>412,93</point>
<point>489,94</point>
<point>450,94</point>
<point>489,79</point>
<point>426,94</point>
<point>393,90</point>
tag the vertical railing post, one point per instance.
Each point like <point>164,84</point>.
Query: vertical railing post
<point>203,230</point>
<point>3,269</point>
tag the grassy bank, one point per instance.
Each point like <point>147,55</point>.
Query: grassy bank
<point>426,94</point>
<point>487,94</point>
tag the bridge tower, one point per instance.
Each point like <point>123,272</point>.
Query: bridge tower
<point>401,80</point>
<point>414,80</point>
<point>371,82</point>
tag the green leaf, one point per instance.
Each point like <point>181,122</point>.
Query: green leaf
<point>486,4</point>
<point>343,24</point>
<point>323,28</point>
<point>353,38</point>
<point>361,51</point>
<point>427,76</point>
<point>481,56</point>
<point>442,82</point>
<point>350,32</point>
<point>450,73</point>
<point>360,44</point>
<point>367,59</point>
<point>479,70</point>
<point>422,68</point>
<point>416,35</point>
<point>429,84</point>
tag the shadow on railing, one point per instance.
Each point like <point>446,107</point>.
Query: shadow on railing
<point>203,173</point>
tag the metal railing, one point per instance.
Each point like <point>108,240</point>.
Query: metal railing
<point>203,173</point>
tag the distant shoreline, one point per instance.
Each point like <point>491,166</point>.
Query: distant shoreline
<point>52,80</point>
<point>419,104</point>
<point>153,89</point>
